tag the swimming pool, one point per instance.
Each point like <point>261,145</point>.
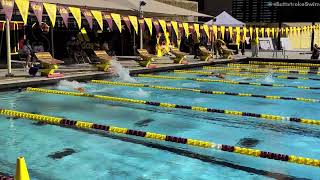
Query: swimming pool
<point>54,152</point>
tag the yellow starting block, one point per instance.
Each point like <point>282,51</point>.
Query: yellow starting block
<point>49,64</point>
<point>146,58</point>
<point>205,55</point>
<point>180,57</point>
<point>105,60</point>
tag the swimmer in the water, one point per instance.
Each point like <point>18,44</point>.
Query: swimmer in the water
<point>80,89</point>
<point>220,75</point>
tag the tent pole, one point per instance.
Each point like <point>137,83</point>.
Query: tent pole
<point>8,48</point>
<point>312,36</point>
<point>52,43</point>
<point>141,35</point>
<point>134,43</point>
<point>142,3</point>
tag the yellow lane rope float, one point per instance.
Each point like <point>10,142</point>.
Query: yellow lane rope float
<point>243,75</point>
<point>176,106</point>
<point>161,137</point>
<point>281,71</point>
<point>271,66</point>
<point>225,81</point>
<point>284,64</point>
<point>170,88</point>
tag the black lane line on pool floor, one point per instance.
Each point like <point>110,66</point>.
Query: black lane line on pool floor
<point>278,127</point>
<point>192,155</point>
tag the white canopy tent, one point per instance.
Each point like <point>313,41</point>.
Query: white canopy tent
<point>225,19</point>
<point>158,8</point>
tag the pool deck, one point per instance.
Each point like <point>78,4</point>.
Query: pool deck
<point>87,72</point>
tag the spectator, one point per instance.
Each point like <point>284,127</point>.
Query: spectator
<point>27,52</point>
<point>255,45</point>
<point>315,52</point>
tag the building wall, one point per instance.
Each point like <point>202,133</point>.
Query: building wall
<point>214,7</point>
<point>254,11</point>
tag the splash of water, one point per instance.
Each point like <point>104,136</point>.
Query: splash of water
<point>269,78</point>
<point>142,93</point>
<point>67,85</point>
<point>122,72</point>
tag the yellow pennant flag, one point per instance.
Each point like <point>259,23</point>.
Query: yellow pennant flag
<point>222,29</point>
<point>251,32</point>
<point>304,29</point>
<point>76,12</point>
<point>163,25</point>
<point>272,30</point>
<point>186,28</point>
<point>206,30</point>
<point>51,11</point>
<point>149,24</point>
<point>134,22</point>
<point>268,32</point>
<point>230,31</point>
<point>98,16</point>
<point>215,31</point>
<point>175,27</point>
<point>238,35</point>
<point>257,32</point>
<point>262,32</point>
<point>23,6</point>
<point>294,30</point>
<point>299,31</point>
<point>117,19</point>
<point>287,31</point>
<point>197,29</point>
<point>245,30</point>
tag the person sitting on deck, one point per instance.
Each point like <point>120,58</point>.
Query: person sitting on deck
<point>27,52</point>
<point>315,52</point>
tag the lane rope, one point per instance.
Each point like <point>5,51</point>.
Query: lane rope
<point>284,64</point>
<point>226,81</point>
<point>272,66</point>
<point>162,137</point>
<point>176,106</point>
<point>206,73</point>
<point>170,88</point>
<point>281,71</point>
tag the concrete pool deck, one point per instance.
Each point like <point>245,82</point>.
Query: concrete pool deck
<point>86,72</point>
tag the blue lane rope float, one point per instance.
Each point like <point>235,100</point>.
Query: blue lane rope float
<point>225,81</point>
<point>162,137</point>
<point>206,73</point>
<point>176,106</point>
<point>169,88</point>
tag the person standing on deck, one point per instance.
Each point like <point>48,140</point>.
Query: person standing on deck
<point>315,52</point>
<point>196,43</point>
<point>255,44</point>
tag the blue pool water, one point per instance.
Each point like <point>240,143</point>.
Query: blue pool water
<point>101,156</point>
